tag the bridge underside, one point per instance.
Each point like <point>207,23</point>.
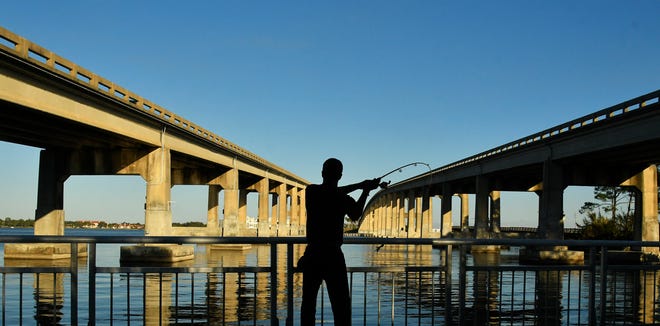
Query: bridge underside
<point>618,146</point>
<point>87,125</point>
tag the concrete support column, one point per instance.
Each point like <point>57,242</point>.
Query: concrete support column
<point>424,214</point>
<point>481,209</point>
<point>302,210</point>
<point>646,206</point>
<point>418,216</point>
<point>551,203</point>
<point>229,184</point>
<point>410,224</point>
<point>242,211</point>
<point>273,212</point>
<point>495,217</point>
<point>295,211</point>
<point>401,215</point>
<point>384,211</point>
<point>158,214</point>
<point>49,215</point>
<point>379,218</point>
<point>282,228</point>
<point>445,211</point>
<point>263,190</point>
<point>213,203</point>
<point>389,215</point>
<point>465,212</point>
<point>367,225</point>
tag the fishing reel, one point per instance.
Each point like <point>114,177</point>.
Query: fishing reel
<point>383,185</point>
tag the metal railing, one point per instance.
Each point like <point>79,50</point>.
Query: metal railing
<point>407,281</point>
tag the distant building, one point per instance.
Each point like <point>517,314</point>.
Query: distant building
<point>252,222</point>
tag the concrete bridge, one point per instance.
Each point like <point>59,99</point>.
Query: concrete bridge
<point>616,146</point>
<point>88,125</point>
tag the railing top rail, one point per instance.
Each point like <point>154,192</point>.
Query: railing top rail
<point>25,50</point>
<point>301,240</point>
<point>623,109</point>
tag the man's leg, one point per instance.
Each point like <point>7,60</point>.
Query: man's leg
<point>337,283</point>
<point>311,284</point>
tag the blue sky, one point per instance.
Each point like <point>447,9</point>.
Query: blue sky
<point>376,84</point>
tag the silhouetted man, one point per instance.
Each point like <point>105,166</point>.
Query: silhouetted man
<point>327,205</point>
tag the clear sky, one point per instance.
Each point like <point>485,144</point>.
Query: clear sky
<point>376,84</point>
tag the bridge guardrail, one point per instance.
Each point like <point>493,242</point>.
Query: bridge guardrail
<point>24,49</point>
<point>622,109</point>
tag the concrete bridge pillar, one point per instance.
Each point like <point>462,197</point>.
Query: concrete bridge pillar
<point>295,212</point>
<point>551,219</point>
<point>495,217</point>
<point>282,228</point>
<point>242,211</point>
<point>49,215</point>
<point>445,211</point>
<point>375,222</point>
<point>385,215</point>
<point>158,213</point>
<point>263,226</point>
<point>426,214</point>
<point>482,226</point>
<point>229,184</point>
<point>646,226</point>
<point>378,214</point>
<point>465,212</point>
<point>302,211</point>
<point>276,203</point>
<point>481,208</point>
<point>54,169</point>
<point>366,226</point>
<point>410,225</point>
<point>401,215</point>
<point>389,215</point>
<point>418,216</point>
<point>213,203</point>
<point>551,203</point>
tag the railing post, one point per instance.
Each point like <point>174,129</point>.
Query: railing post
<point>74,283</point>
<point>448,284</point>
<point>91,302</point>
<point>273,284</point>
<point>592,286</point>
<point>289,284</point>
<point>603,283</point>
<point>462,283</point>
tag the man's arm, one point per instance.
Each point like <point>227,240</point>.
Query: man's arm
<point>366,186</point>
<point>371,184</point>
<point>350,188</point>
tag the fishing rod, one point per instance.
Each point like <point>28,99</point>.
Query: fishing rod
<point>384,184</point>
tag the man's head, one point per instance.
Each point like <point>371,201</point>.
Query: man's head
<point>332,170</point>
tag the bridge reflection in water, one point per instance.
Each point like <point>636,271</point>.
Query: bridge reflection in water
<point>393,281</point>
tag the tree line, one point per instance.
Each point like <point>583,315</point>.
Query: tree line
<point>610,215</point>
<point>9,222</point>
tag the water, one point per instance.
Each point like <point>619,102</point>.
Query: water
<point>239,296</point>
<point>217,298</point>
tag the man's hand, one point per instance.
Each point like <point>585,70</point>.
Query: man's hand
<point>368,185</point>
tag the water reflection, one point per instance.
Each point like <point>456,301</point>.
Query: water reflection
<point>48,289</point>
<point>549,297</point>
<point>486,289</point>
<point>495,294</point>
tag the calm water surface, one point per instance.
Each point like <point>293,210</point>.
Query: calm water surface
<point>417,298</point>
